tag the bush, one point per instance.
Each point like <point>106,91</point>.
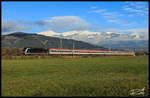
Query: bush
<point>11,52</point>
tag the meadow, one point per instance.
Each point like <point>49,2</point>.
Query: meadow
<point>91,76</point>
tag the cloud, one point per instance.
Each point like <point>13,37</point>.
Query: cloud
<point>23,21</point>
<point>114,20</point>
<point>12,26</point>
<point>120,18</point>
<point>138,4</point>
<point>57,24</point>
<point>115,17</point>
<point>136,8</point>
<point>94,7</point>
<point>61,23</point>
<point>112,17</point>
<point>98,11</point>
<point>140,31</point>
<point>137,31</point>
<point>106,13</point>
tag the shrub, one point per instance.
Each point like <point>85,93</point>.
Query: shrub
<point>11,52</point>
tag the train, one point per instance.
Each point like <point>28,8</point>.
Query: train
<point>55,51</point>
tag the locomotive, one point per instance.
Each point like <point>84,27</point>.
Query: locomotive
<point>54,51</point>
<point>34,51</point>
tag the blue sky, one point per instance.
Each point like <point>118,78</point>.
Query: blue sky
<point>65,16</point>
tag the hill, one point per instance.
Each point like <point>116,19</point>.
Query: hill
<point>21,40</point>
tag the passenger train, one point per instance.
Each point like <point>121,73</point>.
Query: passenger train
<point>54,51</point>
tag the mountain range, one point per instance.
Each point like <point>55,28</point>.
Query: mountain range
<point>21,40</point>
<point>107,39</point>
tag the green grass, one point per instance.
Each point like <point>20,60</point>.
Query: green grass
<point>97,76</point>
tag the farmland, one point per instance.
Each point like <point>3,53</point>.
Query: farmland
<point>91,76</point>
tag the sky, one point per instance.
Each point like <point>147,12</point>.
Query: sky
<point>98,16</point>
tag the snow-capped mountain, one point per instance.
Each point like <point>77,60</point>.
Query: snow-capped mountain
<point>91,37</point>
<point>86,36</point>
<point>97,38</point>
<point>52,33</point>
<point>49,33</point>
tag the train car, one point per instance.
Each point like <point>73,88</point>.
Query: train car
<point>88,52</point>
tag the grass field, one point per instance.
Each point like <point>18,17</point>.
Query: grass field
<point>97,76</point>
